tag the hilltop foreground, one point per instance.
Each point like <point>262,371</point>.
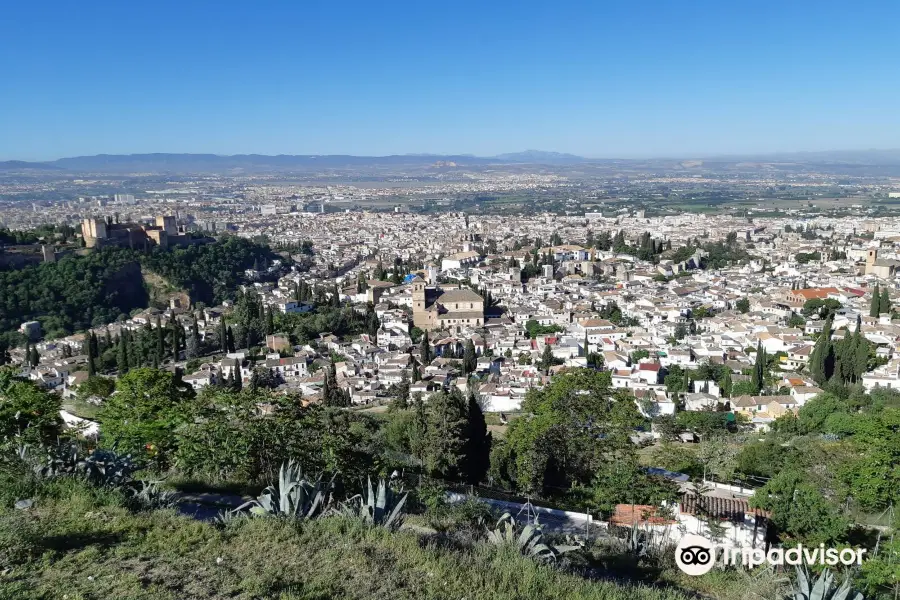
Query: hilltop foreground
<point>79,541</point>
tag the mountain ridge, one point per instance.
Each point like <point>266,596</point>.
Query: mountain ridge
<point>220,163</point>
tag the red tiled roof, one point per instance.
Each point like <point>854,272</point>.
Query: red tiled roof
<point>638,514</point>
<point>732,509</point>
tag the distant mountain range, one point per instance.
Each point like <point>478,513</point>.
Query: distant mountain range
<point>215,163</point>
<point>18,165</point>
<point>541,157</point>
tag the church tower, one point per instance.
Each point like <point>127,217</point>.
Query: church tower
<point>418,293</point>
<point>418,301</point>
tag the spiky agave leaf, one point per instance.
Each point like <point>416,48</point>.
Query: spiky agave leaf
<point>380,502</point>
<point>396,517</point>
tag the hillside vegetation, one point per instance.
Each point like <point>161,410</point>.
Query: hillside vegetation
<point>79,292</point>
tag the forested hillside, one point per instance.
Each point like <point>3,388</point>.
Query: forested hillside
<point>72,294</point>
<point>210,272</point>
<point>78,292</point>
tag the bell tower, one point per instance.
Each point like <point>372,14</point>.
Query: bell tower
<point>872,257</point>
<point>418,293</point>
<point>418,301</point>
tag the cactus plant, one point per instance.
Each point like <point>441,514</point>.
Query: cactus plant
<point>822,588</point>
<point>107,468</point>
<point>150,496</point>
<point>294,496</point>
<point>529,541</point>
<point>379,507</point>
<point>100,467</point>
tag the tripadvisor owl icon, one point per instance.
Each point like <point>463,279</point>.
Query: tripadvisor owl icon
<point>695,555</point>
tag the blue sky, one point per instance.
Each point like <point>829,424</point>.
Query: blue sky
<point>601,79</point>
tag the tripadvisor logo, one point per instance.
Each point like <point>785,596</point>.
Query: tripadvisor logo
<point>696,555</point>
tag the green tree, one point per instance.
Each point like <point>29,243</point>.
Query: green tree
<point>122,361</point>
<point>177,333</point>
<point>401,402</point>
<point>478,443</point>
<point>425,350</point>
<point>27,411</point>
<point>572,424</point>
<point>743,305</point>
<point>142,416</point>
<point>470,358</point>
<point>418,434</point>
<point>446,435</point>
<point>799,510</point>
<point>621,479</point>
<point>547,358</point>
<point>884,302</point>
<point>725,384</point>
<point>96,387</point>
<point>192,344</point>
<point>875,303</point>
<point>92,355</point>
<point>758,376</point>
<point>34,359</point>
<point>821,359</point>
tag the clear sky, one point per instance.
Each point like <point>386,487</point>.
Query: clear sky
<point>600,79</point>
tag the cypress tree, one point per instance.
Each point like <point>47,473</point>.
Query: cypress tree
<point>875,304</point>
<point>821,360</point>
<point>270,322</point>
<point>756,379</point>
<point>192,346</point>
<point>547,357</point>
<point>470,359</point>
<point>176,339</point>
<point>425,350</point>
<point>91,366</point>
<point>122,355</point>
<point>33,357</point>
<point>229,340</point>
<point>725,384</point>
<point>160,342</point>
<point>419,429</point>
<point>478,443</point>
<point>223,336</point>
<point>884,302</point>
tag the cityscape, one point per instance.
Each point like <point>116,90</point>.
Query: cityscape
<point>720,311</point>
<point>590,301</point>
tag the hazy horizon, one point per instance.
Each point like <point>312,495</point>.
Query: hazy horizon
<point>699,156</point>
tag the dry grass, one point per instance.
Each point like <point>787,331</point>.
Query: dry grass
<point>82,544</point>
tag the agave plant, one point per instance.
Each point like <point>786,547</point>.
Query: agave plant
<point>380,507</point>
<point>294,496</point>
<point>106,467</point>
<point>822,588</point>
<point>150,496</point>
<point>529,541</point>
<point>226,517</point>
<point>636,543</point>
<point>61,460</point>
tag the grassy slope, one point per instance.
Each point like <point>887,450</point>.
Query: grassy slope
<point>80,543</point>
